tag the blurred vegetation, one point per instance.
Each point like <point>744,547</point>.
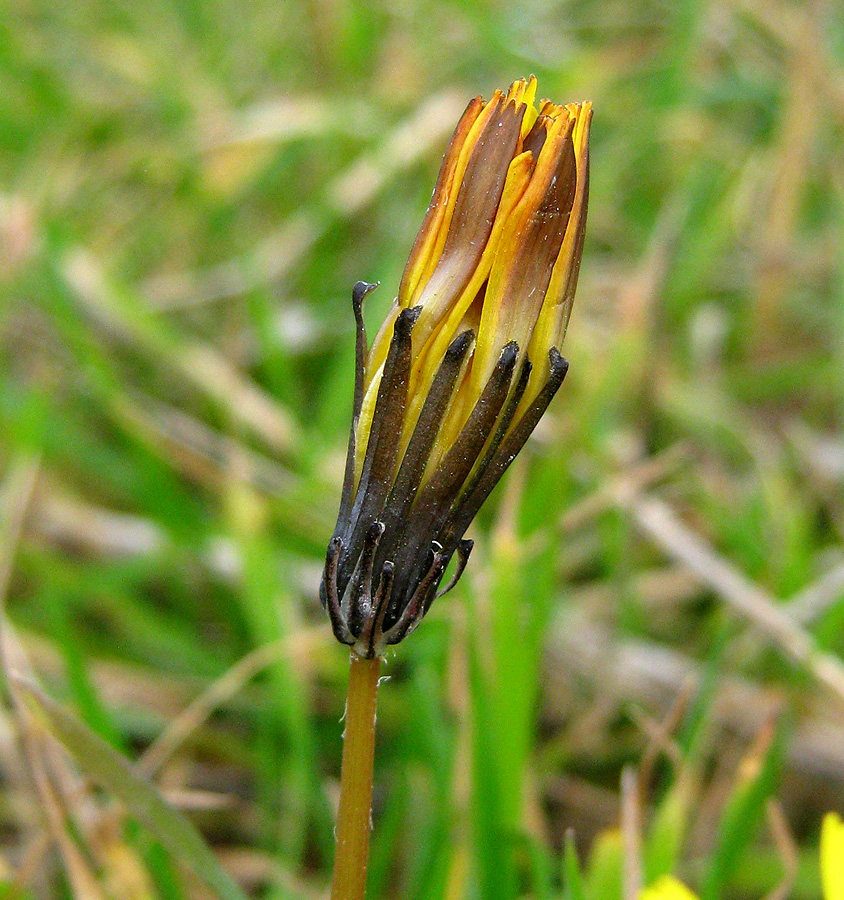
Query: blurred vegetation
<point>641,671</point>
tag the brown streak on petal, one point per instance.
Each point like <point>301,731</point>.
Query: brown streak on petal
<point>483,184</point>
<point>574,271</point>
<point>535,138</point>
<point>441,192</point>
<point>474,213</point>
<point>538,247</point>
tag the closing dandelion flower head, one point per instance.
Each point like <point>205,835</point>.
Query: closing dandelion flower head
<point>466,361</point>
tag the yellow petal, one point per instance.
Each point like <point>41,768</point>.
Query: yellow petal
<point>832,857</point>
<point>553,319</point>
<point>520,271</point>
<point>517,91</point>
<point>667,888</point>
<point>518,175</point>
<point>523,91</point>
<point>531,112</point>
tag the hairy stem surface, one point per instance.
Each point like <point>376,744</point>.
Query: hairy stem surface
<point>353,816</point>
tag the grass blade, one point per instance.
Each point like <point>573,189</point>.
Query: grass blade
<point>114,773</point>
<point>574,888</point>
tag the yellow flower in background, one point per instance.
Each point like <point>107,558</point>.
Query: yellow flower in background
<point>466,362</point>
<point>832,857</point>
<point>667,888</point>
<point>832,868</point>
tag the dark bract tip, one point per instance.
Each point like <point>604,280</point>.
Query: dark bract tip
<point>527,368</point>
<point>509,354</point>
<point>459,345</point>
<point>559,365</point>
<point>361,289</point>
<point>374,532</point>
<point>406,320</point>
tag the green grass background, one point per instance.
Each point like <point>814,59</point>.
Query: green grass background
<point>187,194</point>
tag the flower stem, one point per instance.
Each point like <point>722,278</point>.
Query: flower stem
<point>353,816</point>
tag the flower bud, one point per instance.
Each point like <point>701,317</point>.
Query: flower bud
<point>465,364</point>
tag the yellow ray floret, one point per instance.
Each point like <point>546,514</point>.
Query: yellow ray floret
<point>832,857</point>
